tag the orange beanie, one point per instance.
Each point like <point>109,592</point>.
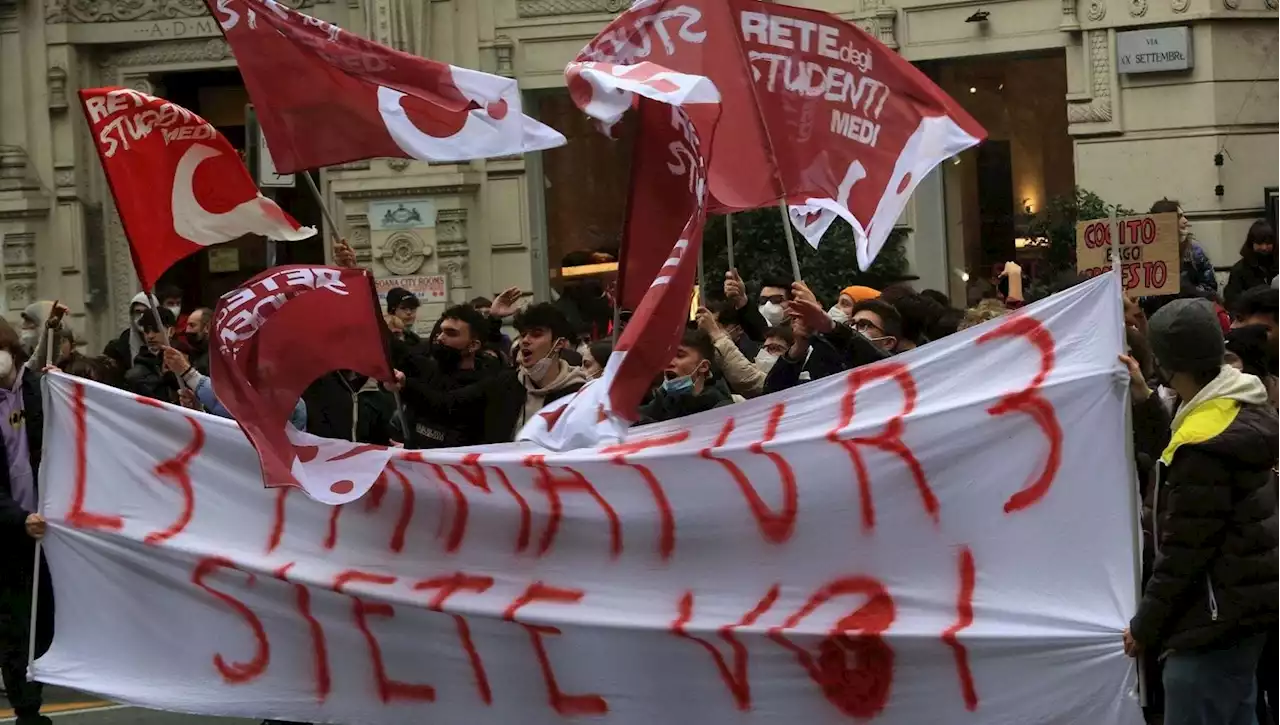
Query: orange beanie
<point>858,293</point>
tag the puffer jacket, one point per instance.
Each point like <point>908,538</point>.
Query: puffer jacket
<point>742,375</point>
<point>1214,576</point>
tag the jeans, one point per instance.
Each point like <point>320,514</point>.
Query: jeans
<point>1213,687</point>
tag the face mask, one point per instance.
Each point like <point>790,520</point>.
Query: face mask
<point>772,313</point>
<point>765,360</point>
<point>540,368</point>
<point>29,338</point>
<point>682,385</point>
<point>838,315</point>
<point>176,310</point>
<point>449,358</point>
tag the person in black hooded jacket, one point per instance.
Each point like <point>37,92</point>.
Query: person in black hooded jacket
<point>147,377</point>
<point>452,359</point>
<point>686,387</point>
<point>1257,265</point>
<point>1212,595</point>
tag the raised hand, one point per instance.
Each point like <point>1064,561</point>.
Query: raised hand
<point>707,323</point>
<point>505,305</point>
<point>174,361</point>
<point>344,255</point>
<point>815,319</point>
<point>801,292</point>
<point>734,290</point>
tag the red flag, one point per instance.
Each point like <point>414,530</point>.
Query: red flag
<point>325,96</point>
<point>644,246</point>
<point>680,113</point>
<point>272,338</point>
<point>179,186</point>
<point>816,110</point>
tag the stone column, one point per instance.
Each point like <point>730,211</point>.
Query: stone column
<point>14,155</point>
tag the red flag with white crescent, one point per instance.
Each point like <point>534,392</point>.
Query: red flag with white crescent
<point>324,96</point>
<point>178,184</point>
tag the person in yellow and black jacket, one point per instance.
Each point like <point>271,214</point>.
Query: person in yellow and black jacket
<point>1212,595</point>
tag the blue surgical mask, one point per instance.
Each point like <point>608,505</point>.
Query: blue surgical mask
<point>678,386</point>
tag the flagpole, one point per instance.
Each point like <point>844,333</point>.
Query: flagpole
<point>35,569</point>
<point>728,237</point>
<point>702,280</point>
<point>328,218</point>
<point>791,239</point>
<point>35,604</point>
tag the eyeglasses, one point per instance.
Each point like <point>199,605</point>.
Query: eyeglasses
<point>776,299</point>
<point>865,326</point>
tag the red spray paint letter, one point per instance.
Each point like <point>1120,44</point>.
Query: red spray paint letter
<point>964,618</point>
<point>860,690</point>
<point>319,646</point>
<point>235,673</point>
<point>448,586</point>
<point>1030,401</point>
<point>570,481</point>
<point>178,470</point>
<point>666,518</point>
<point>736,679</point>
<point>776,527</point>
<point>277,519</point>
<point>388,689</point>
<point>77,516</point>
<point>474,473</point>
<point>560,702</point>
<point>889,440</point>
<point>373,502</point>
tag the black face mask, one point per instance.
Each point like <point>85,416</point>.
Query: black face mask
<point>197,343</point>
<point>448,358</point>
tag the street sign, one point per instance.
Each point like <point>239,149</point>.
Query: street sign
<point>260,163</point>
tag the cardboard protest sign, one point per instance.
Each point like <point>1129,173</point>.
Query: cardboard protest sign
<point>1148,246</point>
<point>915,541</point>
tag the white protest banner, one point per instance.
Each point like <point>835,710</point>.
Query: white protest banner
<point>943,537</point>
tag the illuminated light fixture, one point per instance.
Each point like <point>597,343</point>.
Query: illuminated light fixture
<point>587,269</point>
<point>1000,87</point>
<point>979,16</point>
<point>973,89</point>
<point>963,275</point>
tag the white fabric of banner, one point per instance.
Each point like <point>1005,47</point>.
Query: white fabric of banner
<point>944,537</point>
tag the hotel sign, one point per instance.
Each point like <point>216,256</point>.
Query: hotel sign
<point>1154,50</point>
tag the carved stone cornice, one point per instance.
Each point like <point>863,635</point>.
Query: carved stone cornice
<point>407,191</point>
<point>880,20</point>
<point>114,11</point>
<point>152,54</point>
<point>549,8</point>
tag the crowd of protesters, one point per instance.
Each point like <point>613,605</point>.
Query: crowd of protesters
<point>1203,383</point>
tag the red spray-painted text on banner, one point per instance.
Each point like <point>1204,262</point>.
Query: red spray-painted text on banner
<point>756,561</point>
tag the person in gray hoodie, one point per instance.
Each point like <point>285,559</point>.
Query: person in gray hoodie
<point>125,347</point>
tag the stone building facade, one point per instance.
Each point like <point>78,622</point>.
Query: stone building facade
<point>1043,74</point>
